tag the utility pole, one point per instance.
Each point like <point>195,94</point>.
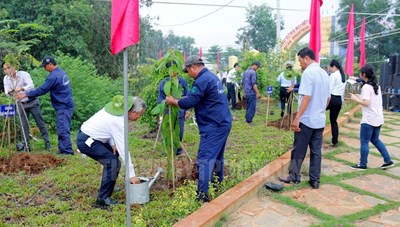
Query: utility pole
<point>278,25</point>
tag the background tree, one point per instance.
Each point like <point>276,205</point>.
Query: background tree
<point>260,31</point>
<point>381,40</point>
<point>211,55</point>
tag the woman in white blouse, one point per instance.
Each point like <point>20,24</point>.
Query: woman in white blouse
<point>337,84</point>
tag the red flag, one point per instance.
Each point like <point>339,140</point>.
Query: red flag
<point>315,30</point>
<point>350,44</point>
<point>362,44</point>
<point>218,60</point>
<point>201,53</point>
<point>125,24</point>
<point>160,54</point>
<point>184,55</point>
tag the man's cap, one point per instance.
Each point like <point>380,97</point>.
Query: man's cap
<point>48,59</point>
<point>274,186</point>
<point>116,106</point>
<point>191,60</point>
<point>257,63</point>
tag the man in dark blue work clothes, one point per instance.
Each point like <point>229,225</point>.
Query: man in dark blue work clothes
<point>57,82</point>
<point>251,91</point>
<point>213,119</point>
<point>182,113</point>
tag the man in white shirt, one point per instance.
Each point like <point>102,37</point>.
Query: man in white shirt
<point>231,84</point>
<point>102,138</point>
<point>309,123</point>
<point>18,82</point>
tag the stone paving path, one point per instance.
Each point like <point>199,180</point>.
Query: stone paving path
<point>363,198</point>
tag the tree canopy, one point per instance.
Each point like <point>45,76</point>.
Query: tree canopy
<point>381,39</point>
<point>260,31</point>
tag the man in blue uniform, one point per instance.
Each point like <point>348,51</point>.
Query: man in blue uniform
<point>57,82</point>
<point>182,113</point>
<point>251,91</point>
<point>213,119</point>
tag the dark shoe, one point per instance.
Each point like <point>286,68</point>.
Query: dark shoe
<point>288,180</point>
<point>64,153</point>
<point>358,167</point>
<point>250,124</point>
<point>202,197</point>
<point>282,114</point>
<point>313,184</point>
<point>334,144</point>
<point>387,165</point>
<point>105,202</point>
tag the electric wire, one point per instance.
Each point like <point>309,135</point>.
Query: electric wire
<point>191,21</point>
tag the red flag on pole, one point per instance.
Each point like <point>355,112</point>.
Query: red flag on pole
<point>218,60</point>
<point>315,30</point>
<point>362,44</point>
<point>201,53</point>
<point>350,44</point>
<point>125,24</point>
<point>160,54</point>
<point>184,55</point>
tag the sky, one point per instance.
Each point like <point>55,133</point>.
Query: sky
<point>220,28</point>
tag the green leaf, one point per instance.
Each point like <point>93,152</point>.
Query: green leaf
<point>167,88</point>
<point>159,109</point>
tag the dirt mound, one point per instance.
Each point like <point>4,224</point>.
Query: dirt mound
<point>284,123</point>
<point>30,163</point>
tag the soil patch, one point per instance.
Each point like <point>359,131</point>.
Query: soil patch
<point>284,123</point>
<point>30,163</point>
<point>184,171</point>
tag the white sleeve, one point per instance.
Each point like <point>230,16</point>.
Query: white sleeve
<point>27,80</point>
<point>332,79</point>
<point>118,137</point>
<point>7,85</point>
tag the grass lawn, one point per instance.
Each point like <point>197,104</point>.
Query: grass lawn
<point>64,195</point>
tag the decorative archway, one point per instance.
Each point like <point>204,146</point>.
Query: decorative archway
<point>295,35</point>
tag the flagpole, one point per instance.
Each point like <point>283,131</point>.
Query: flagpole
<point>126,126</point>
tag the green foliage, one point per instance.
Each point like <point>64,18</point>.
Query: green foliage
<point>170,127</point>
<point>380,27</point>
<point>90,91</point>
<point>260,31</point>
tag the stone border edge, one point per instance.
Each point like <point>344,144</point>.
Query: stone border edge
<point>212,212</point>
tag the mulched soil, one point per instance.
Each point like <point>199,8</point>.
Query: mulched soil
<point>29,163</point>
<point>283,123</point>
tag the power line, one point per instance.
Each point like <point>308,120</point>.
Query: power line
<point>334,38</point>
<point>213,5</point>
<point>217,5</point>
<point>206,15</point>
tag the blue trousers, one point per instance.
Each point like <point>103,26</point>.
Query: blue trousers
<point>306,137</point>
<point>182,130</point>
<point>251,102</point>
<point>101,152</point>
<point>370,133</point>
<point>210,157</point>
<point>64,130</point>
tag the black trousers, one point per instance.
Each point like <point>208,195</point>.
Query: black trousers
<point>335,105</point>
<point>101,152</point>
<point>307,137</point>
<point>284,97</point>
<point>231,94</point>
